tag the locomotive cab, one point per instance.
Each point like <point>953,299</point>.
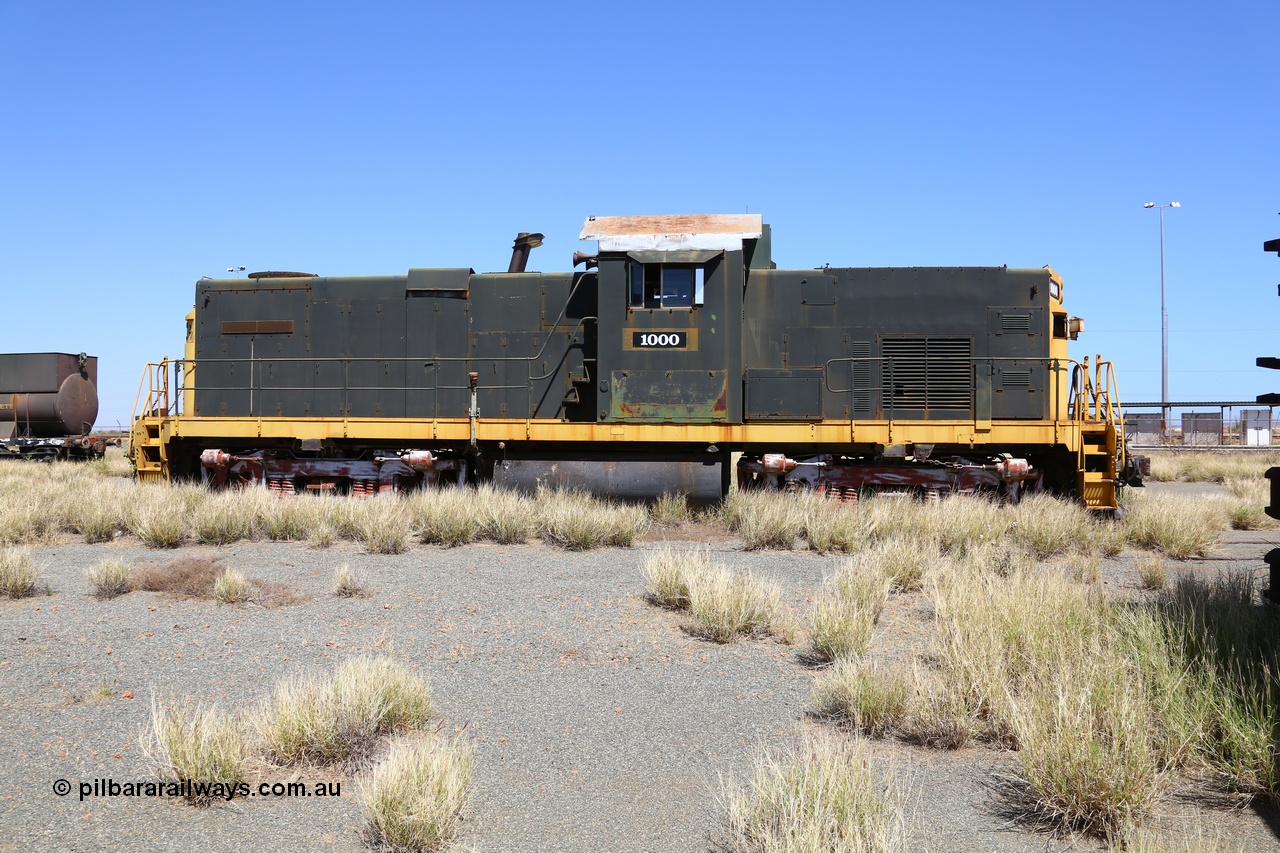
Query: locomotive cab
<point>670,341</point>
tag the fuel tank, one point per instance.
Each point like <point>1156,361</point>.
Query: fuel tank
<point>627,478</point>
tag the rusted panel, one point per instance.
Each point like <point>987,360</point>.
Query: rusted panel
<point>257,327</point>
<point>670,395</point>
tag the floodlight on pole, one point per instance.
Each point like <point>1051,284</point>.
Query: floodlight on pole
<point>1164,325</point>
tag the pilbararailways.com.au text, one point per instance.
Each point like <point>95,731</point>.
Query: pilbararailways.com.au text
<point>193,790</point>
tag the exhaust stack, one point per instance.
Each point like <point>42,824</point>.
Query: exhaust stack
<point>524,244</point>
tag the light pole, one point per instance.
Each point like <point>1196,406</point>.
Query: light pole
<point>1164,326</point>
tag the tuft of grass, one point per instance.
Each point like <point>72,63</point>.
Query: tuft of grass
<point>840,629</point>
<point>26,522</point>
<point>505,517</point>
<point>155,519</point>
<point>196,744</point>
<point>1002,559</point>
<point>822,797</point>
<point>1084,748</point>
<point>109,578</point>
<point>291,519</point>
<point>868,699</point>
<point>413,799</point>
<point>938,716</point>
<point>322,535</point>
<point>845,615</point>
<point>1151,571</point>
<point>668,572</point>
<point>833,526</point>
<point>226,517</point>
<point>18,575</point>
<point>864,582</point>
<point>1175,526</point>
<point>1046,525</point>
<point>447,516</point>
<point>382,524</point>
<point>577,521</point>
<point>347,583</point>
<point>231,587</point>
<point>326,720</point>
<point>104,691</point>
<point>185,577</point>
<point>904,561</point>
<point>1255,490</point>
<point>672,508</point>
<point>766,519</point>
<point>958,524</point>
<point>1244,515</point>
<point>1083,568</point>
<point>726,605</point>
<point>98,512</point>
<point>877,702</point>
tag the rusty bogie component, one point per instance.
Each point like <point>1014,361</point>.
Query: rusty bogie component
<point>844,480</point>
<point>75,447</point>
<point>285,475</point>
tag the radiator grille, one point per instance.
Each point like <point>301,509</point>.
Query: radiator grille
<point>927,373</point>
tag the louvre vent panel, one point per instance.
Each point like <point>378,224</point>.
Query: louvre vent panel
<point>928,373</point>
<point>1017,378</point>
<point>1015,322</point>
<point>862,380</point>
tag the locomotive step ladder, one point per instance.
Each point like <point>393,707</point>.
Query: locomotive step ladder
<point>1095,405</point>
<point>150,408</point>
<point>1096,477</point>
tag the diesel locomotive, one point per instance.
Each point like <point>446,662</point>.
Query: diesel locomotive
<point>677,348</point>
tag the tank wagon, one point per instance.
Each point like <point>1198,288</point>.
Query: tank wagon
<point>678,346</point>
<point>48,403</point>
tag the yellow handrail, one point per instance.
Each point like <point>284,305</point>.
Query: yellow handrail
<point>155,376</point>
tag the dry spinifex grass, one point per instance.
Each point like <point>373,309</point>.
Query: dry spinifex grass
<point>723,604</point>
<point>1103,702</point>
<point>824,795</point>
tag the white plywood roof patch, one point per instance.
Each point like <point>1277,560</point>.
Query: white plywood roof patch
<point>724,231</point>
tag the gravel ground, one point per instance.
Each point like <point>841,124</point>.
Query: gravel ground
<point>598,723</point>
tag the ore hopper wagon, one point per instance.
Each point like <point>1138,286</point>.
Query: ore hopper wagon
<point>677,349</point>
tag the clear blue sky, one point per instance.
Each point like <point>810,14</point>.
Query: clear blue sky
<point>146,145</point>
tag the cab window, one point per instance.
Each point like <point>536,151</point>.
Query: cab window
<point>664,285</point>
